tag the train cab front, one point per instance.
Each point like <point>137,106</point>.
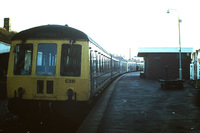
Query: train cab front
<point>46,75</point>
<point>48,68</point>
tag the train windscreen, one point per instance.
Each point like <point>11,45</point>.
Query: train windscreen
<point>70,60</point>
<point>23,59</point>
<point>46,59</point>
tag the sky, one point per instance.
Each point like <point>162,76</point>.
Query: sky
<point>116,25</point>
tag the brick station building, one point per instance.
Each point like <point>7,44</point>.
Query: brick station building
<point>163,63</point>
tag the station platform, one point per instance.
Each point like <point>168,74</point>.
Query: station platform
<point>134,105</point>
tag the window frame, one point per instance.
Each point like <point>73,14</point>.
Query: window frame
<point>79,60</point>
<point>47,61</point>
<point>24,62</point>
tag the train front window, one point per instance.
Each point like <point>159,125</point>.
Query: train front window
<point>23,59</point>
<point>46,59</point>
<point>70,60</point>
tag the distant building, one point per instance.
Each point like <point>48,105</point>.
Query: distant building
<point>162,63</point>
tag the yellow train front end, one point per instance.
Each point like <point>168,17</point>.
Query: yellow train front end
<point>47,75</point>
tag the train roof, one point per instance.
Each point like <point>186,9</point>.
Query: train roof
<point>58,32</point>
<point>51,32</point>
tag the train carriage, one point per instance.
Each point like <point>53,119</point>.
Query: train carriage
<point>51,65</point>
<point>55,69</point>
<point>100,67</point>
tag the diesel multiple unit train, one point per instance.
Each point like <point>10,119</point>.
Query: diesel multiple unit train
<point>55,66</point>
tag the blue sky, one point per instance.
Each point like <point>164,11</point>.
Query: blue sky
<point>116,25</point>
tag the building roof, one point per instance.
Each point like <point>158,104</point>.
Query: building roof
<point>4,47</point>
<point>5,36</point>
<point>164,50</point>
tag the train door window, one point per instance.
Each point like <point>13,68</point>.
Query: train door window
<point>94,63</point>
<point>106,66</point>
<point>116,65</point>
<point>97,62</point>
<point>23,59</point>
<point>103,63</point>
<point>109,63</point>
<point>70,60</point>
<point>46,59</point>
<point>100,70</point>
<point>91,61</point>
<point>92,70</point>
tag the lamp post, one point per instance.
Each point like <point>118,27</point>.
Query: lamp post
<point>179,20</point>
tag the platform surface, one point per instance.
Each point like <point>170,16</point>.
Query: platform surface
<point>135,105</point>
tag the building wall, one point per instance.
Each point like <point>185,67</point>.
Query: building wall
<point>166,65</point>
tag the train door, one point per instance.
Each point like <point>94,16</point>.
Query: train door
<point>91,72</point>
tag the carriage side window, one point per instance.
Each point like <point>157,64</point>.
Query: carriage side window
<point>70,60</point>
<point>46,59</point>
<point>23,59</point>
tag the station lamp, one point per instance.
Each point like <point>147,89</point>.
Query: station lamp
<point>179,20</point>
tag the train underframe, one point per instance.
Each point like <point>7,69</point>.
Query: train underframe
<point>45,108</point>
